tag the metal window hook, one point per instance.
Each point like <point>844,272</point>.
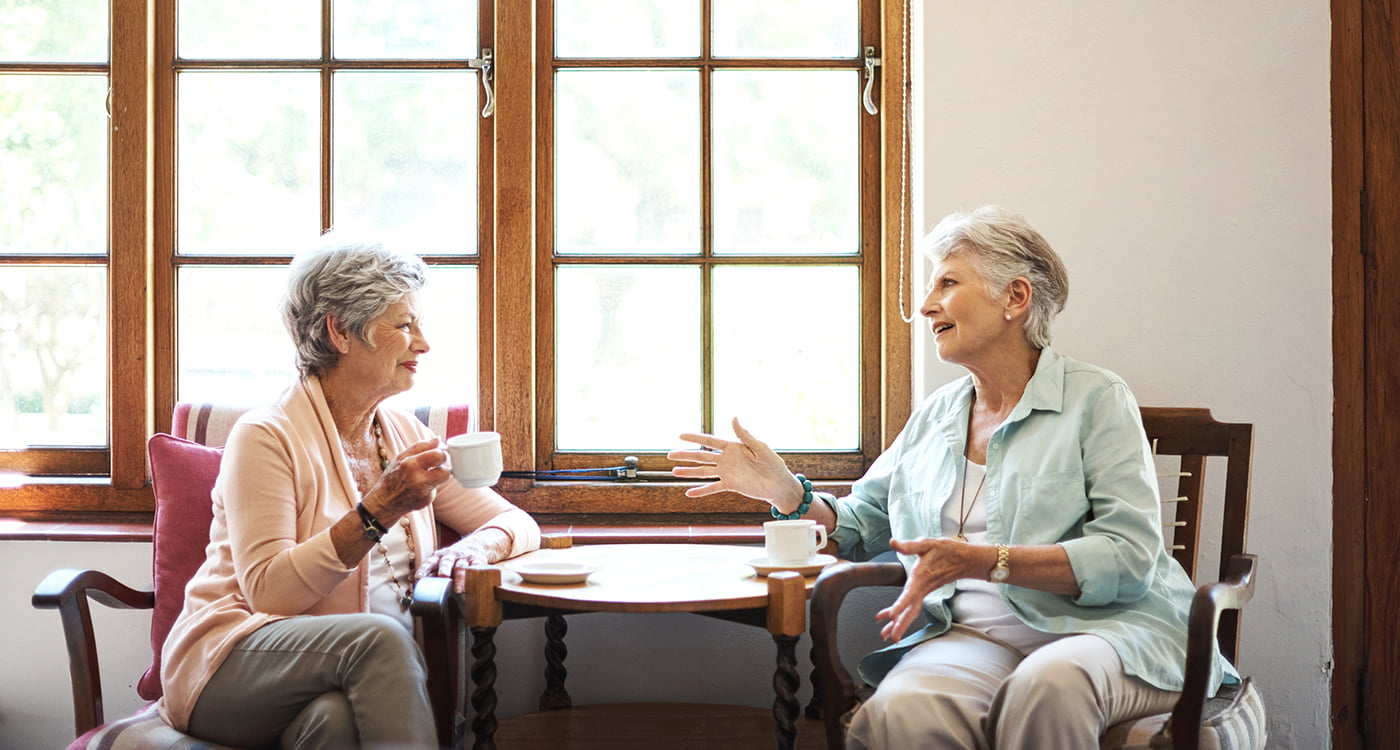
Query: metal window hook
<point>871,62</point>
<point>486,64</point>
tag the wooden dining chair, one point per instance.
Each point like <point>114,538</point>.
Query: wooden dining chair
<point>184,466</point>
<point>1184,441</point>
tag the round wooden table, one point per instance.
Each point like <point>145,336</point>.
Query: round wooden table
<point>713,580</point>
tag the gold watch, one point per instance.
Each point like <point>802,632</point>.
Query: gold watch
<point>1001,572</point>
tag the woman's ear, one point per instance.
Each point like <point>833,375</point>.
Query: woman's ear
<point>1018,297</point>
<point>339,337</point>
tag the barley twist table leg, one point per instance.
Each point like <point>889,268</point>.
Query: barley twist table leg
<point>785,682</point>
<point>484,690</point>
<point>555,694</point>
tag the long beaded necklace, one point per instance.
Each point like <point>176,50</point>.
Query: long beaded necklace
<point>405,596</point>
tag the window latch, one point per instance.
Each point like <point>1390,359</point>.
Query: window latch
<point>486,64</point>
<point>871,62</point>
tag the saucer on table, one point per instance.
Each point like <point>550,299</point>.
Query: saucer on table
<point>554,572</point>
<point>763,566</point>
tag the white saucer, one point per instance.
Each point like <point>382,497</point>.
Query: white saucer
<point>554,572</point>
<point>814,566</point>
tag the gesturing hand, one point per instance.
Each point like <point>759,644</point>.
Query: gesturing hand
<point>940,561</point>
<point>748,467</point>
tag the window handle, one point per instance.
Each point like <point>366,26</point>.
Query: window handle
<point>486,64</point>
<point>871,62</point>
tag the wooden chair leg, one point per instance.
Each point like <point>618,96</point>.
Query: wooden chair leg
<point>785,682</point>
<point>555,694</point>
<point>484,690</point>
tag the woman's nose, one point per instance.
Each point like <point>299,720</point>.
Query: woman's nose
<point>929,306</point>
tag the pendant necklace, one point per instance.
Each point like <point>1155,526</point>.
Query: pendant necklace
<point>405,596</point>
<point>965,509</point>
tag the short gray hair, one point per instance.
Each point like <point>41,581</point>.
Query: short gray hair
<point>353,280</point>
<point>1002,246</point>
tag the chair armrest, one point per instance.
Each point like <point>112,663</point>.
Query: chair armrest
<point>1207,605</point>
<point>441,616</point>
<point>838,689</point>
<point>68,591</point>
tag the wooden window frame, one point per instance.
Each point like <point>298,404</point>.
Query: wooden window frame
<point>142,264</point>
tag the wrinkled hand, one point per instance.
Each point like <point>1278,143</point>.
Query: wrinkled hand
<point>453,562</point>
<point>940,561</point>
<point>410,482</point>
<point>748,467</point>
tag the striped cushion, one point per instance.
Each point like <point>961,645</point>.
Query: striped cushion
<point>209,424</point>
<point>143,730</point>
<point>1234,720</point>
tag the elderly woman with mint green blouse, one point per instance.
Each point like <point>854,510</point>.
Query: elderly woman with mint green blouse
<point>1022,500</point>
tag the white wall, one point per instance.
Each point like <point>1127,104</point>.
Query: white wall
<point>1178,155</point>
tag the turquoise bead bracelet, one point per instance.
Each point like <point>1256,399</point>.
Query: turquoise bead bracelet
<point>801,509</point>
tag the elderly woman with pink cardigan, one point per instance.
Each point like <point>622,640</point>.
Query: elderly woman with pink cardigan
<point>295,631</point>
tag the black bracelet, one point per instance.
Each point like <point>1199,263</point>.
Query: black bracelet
<point>373,528</point>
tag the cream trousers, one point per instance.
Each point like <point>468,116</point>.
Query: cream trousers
<point>327,681</point>
<point>965,690</point>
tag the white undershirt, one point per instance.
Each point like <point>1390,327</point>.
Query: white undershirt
<point>978,603</point>
<point>383,596</point>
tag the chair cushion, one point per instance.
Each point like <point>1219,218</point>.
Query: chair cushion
<point>143,730</point>
<point>1233,720</point>
<point>182,477</point>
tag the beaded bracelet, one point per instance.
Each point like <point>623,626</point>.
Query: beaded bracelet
<point>801,509</point>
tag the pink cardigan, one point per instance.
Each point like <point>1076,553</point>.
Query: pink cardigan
<point>282,484</point>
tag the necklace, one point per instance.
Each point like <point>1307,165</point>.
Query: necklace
<point>965,509</point>
<point>405,596</point>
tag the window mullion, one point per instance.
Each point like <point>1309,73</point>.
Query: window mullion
<point>131,250</point>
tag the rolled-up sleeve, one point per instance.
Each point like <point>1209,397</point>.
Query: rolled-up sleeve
<point>1115,559</point>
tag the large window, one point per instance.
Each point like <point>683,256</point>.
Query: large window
<point>641,217</point>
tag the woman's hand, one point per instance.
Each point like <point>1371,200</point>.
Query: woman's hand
<point>410,482</point>
<point>940,561</point>
<point>748,467</point>
<point>483,547</point>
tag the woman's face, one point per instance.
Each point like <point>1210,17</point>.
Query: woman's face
<point>388,364</point>
<point>965,319</point>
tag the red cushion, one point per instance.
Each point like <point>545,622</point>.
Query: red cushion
<point>182,476</point>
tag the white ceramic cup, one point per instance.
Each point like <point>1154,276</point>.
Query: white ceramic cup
<point>793,542</point>
<point>476,458</point>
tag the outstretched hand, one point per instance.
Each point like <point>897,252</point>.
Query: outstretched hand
<point>747,466</point>
<point>940,561</point>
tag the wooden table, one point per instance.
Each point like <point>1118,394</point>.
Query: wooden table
<point>640,578</point>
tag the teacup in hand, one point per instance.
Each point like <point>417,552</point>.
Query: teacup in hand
<point>476,458</point>
<point>793,542</point>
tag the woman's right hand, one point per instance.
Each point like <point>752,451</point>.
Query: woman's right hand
<point>410,482</point>
<point>748,467</point>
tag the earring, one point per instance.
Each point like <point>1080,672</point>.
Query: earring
<point>1008,316</point>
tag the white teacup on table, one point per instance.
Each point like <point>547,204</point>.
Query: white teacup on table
<point>476,458</point>
<point>793,545</point>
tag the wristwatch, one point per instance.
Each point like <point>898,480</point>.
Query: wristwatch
<point>373,528</point>
<point>1001,572</point>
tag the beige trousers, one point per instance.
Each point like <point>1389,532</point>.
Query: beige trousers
<point>332,682</point>
<point>965,690</point>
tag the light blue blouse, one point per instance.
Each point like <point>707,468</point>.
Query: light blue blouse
<point>1070,466</point>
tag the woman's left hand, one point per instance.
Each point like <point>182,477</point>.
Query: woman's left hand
<point>941,561</point>
<point>452,562</point>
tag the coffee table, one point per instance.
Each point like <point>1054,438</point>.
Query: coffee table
<point>713,580</point>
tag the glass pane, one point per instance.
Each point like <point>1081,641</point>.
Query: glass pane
<point>786,28</point>
<point>447,374</point>
<point>786,162</point>
<point>232,346</point>
<point>789,371</point>
<point>53,158</point>
<point>627,162</point>
<point>405,29</point>
<point>250,30</point>
<point>249,154</point>
<point>53,375</point>
<point>627,28</point>
<point>53,30</point>
<point>627,375</point>
<point>232,341</point>
<point>405,158</point>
